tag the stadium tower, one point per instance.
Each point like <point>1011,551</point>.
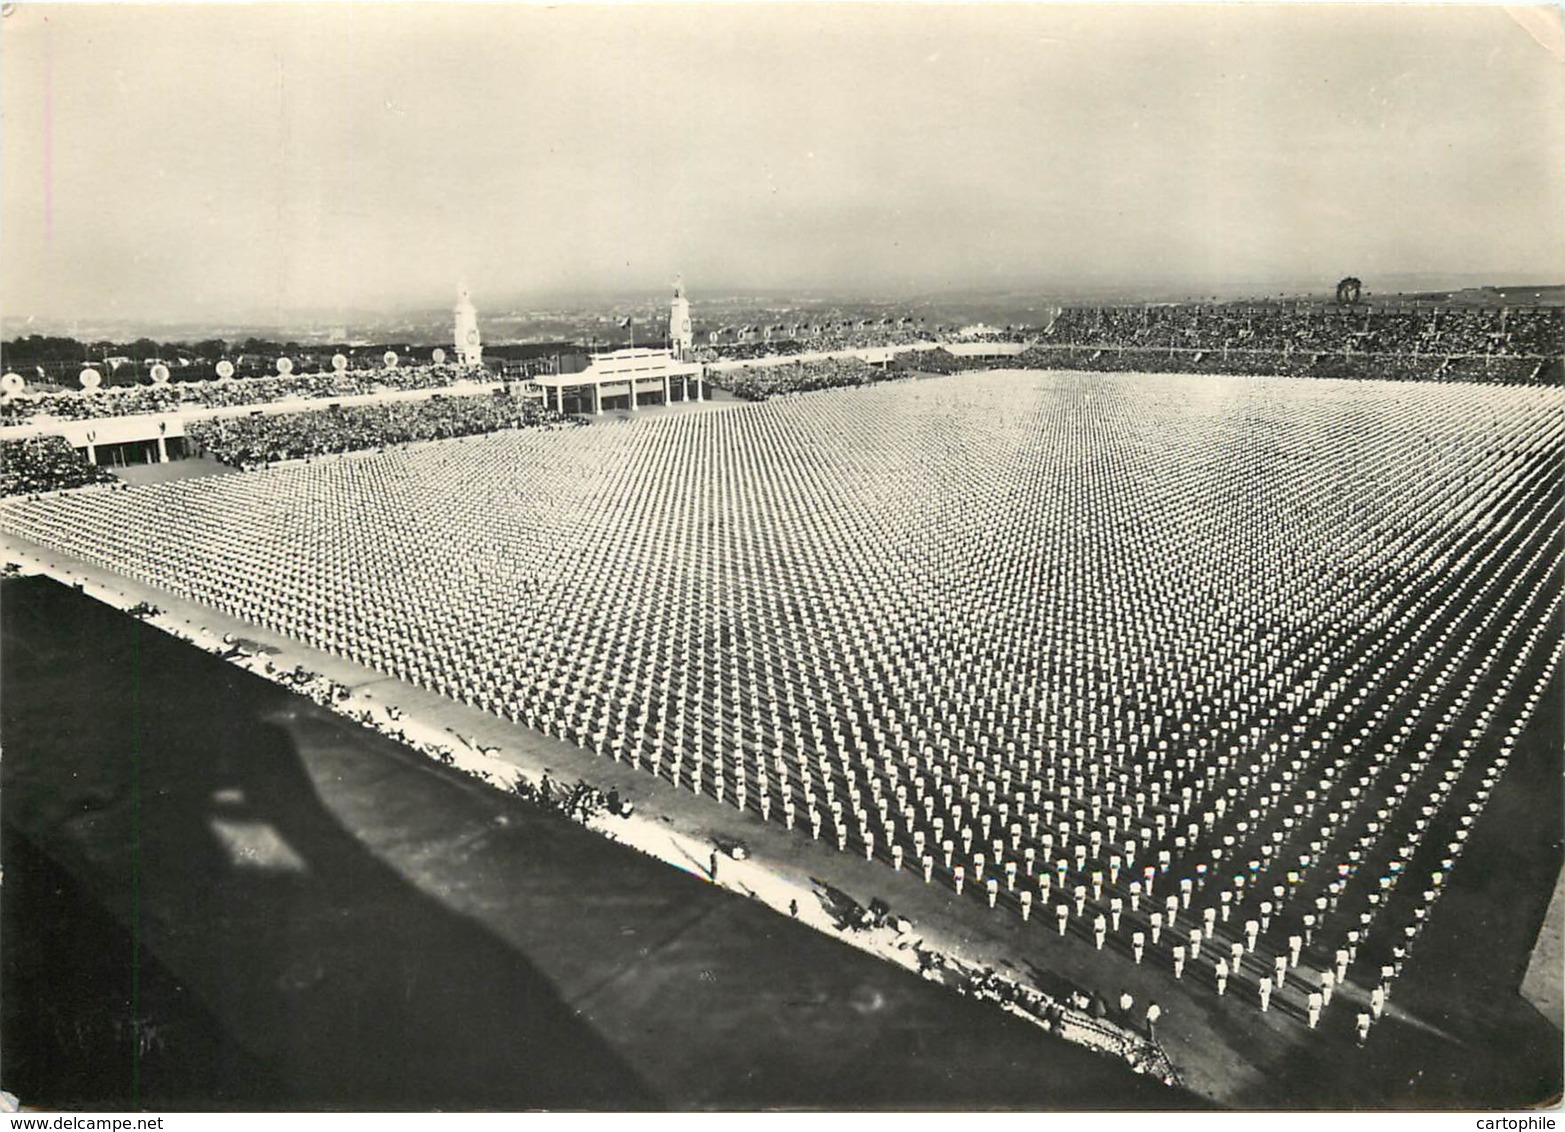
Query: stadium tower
<point>468,346</point>
<point>680,339</point>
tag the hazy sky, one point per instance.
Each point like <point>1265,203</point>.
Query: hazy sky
<point>191,162</point>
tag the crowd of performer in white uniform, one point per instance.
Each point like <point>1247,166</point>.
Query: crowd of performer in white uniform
<point>1490,345</point>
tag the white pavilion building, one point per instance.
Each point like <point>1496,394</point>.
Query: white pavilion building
<point>633,378</point>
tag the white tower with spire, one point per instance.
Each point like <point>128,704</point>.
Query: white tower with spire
<point>468,345</point>
<point>680,338</point>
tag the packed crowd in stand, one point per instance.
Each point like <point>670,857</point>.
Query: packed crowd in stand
<point>1458,344</point>
<point>1470,344</point>
<point>1213,676</point>
<point>255,441</point>
<point>787,341</point>
<point>45,463</point>
<point>758,383</point>
<point>1317,329</point>
<point>1264,363</point>
<point>747,351</point>
<point>942,361</point>
<point>130,400</point>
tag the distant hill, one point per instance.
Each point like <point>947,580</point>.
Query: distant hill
<point>1523,295</point>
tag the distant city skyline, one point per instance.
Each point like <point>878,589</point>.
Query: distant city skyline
<point>265,163</point>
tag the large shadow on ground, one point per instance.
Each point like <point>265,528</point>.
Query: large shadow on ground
<point>187,926</point>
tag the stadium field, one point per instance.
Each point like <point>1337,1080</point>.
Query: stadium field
<point>1215,689</point>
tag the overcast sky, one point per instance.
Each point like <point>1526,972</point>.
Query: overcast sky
<point>176,162</point>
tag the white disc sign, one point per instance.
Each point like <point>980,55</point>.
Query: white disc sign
<point>439,356</point>
<point>225,369</point>
<point>339,362</point>
<point>12,384</point>
<point>390,358</point>
<point>90,379</point>
<point>285,366</point>
<point>160,374</point>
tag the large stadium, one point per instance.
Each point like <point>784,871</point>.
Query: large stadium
<point>1096,696</point>
<point>1101,689</point>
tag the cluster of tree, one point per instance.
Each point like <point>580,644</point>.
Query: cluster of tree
<point>44,350</point>
<point>41,349</point>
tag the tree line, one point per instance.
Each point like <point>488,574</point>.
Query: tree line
<point>45,349</point>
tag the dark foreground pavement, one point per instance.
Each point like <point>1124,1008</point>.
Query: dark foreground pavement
<point>220,896</point>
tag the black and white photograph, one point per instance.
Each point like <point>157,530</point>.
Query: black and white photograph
<point>871,558</point>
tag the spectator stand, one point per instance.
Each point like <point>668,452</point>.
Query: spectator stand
<point>155,421</point>
<point>1396,342</point>
<point>42,464</point>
